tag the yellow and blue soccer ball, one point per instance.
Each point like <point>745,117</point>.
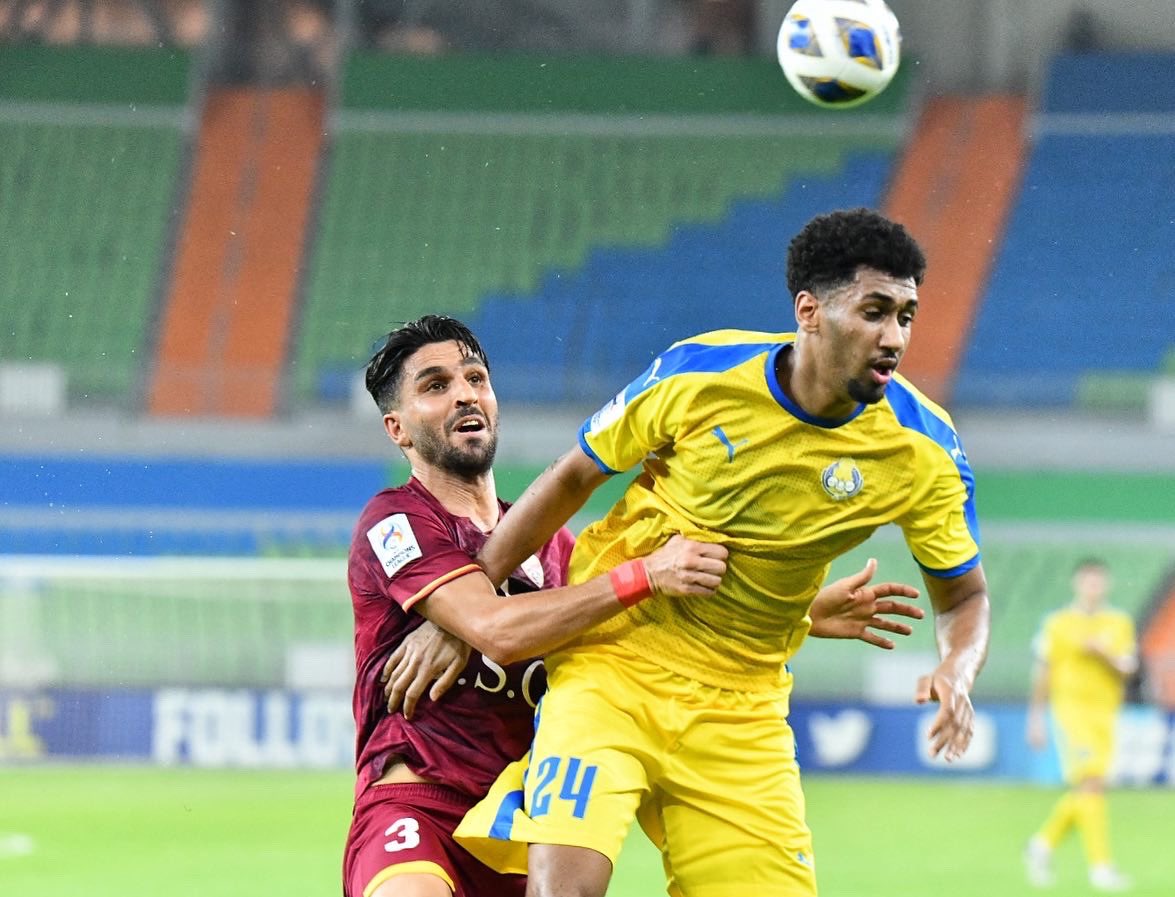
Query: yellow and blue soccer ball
<point>839,53</point>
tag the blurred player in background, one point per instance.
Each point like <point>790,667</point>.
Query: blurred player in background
<point>789,449</point>
<point>411,573</point>
<point>1084,654</point>
<point>411,561</point>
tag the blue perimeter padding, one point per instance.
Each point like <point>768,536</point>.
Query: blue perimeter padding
<point>205,484</point>
<point>152,506</point>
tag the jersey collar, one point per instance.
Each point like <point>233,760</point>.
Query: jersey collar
<point>828,423</point>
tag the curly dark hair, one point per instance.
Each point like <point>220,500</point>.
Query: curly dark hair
<point>386,367</point>
<point>826,254</point>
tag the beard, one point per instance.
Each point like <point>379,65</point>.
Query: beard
<point>466,462</point>
<point>868,393</point>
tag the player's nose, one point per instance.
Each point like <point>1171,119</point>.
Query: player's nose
<point>464,393</point>
<point>893,335</point>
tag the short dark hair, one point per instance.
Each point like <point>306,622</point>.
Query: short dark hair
<point>1090,562</point>
<point>827,252</point>
<point>385,370</point>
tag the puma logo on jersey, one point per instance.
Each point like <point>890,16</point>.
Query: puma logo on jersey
<point>653,378</point>
<point>731,447</point>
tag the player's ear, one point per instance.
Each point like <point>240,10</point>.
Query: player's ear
<point>394,427</point>
<point>807,310</point>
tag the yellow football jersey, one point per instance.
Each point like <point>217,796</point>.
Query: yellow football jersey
<point>729,458</point>
<point>1078,678</point>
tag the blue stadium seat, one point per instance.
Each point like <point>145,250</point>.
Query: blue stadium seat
<point>706,277</point>
<point>1083,280</point>
<point>1082,285</point>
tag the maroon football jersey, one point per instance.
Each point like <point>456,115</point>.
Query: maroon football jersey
<point>405,546</point>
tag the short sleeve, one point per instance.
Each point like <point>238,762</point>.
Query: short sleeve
<point>642,418</point>
<point>405,551</point>
<point>939,528</point>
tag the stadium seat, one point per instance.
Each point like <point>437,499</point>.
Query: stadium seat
<point>483,226</point>
<point>88,201</point>
<point>1080,311</point>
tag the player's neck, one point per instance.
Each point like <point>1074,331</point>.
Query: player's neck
<point>475,498</point>
<point>799,379</point>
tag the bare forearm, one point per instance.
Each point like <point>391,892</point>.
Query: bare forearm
<point>1125,665</point>
<point>522,626</point>
<point>548,503</point>
<point>531,625</point>
<point>1038,697</point>
<point>962,633</point>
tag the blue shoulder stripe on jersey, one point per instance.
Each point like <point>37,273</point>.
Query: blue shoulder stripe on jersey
<point>911,413</point>
<point>951,572</point>
<point>694,358</point>
<point>684,358</point>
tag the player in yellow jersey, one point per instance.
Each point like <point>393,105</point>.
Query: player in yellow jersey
<point>1084,654</point>
<point>789,449</point>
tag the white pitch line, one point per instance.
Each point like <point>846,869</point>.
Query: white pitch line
<point>15,844</point>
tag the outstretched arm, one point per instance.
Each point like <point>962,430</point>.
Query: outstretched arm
<point>962,628</point>
<point>534,623</point>
<point>547,504</point>
<point>1124,664</point>
<point>852,608</point>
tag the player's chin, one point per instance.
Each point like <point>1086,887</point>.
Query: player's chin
<point>869,393</point>
<point>474,457</point>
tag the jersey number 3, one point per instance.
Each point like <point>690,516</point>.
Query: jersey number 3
<point>405,834</point>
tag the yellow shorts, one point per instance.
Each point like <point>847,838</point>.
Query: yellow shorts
<point>710,774</point>
<point>1085,742</point>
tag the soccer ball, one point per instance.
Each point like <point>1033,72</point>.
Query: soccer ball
<point>839,53</point>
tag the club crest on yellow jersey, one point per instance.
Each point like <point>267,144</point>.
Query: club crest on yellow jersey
<point>842,479</point>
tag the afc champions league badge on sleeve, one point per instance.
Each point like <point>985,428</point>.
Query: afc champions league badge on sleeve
<point>394,543</point>
<point>842,479</point>
<point>607,415</point>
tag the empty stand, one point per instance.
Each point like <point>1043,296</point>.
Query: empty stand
<point>537,221</point>
<point>225,325</point>
<point>1078,308</point>
<point>601,325</point>
<point>90,152</point>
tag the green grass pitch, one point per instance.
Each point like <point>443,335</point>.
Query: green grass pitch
<point>124,831</point>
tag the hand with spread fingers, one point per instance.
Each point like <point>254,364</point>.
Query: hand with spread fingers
<point>428,656</point>
<point>954,724</point>
<point>851,608</point>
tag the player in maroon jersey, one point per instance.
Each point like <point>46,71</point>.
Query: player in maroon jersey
<point>411,566</point>
<point>412,578</point>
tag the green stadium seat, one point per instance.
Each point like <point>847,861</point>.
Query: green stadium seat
<point>84,235</point>
<point>88,195</point>
<point>414,223</point>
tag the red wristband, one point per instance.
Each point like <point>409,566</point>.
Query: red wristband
<point>630,581</point>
